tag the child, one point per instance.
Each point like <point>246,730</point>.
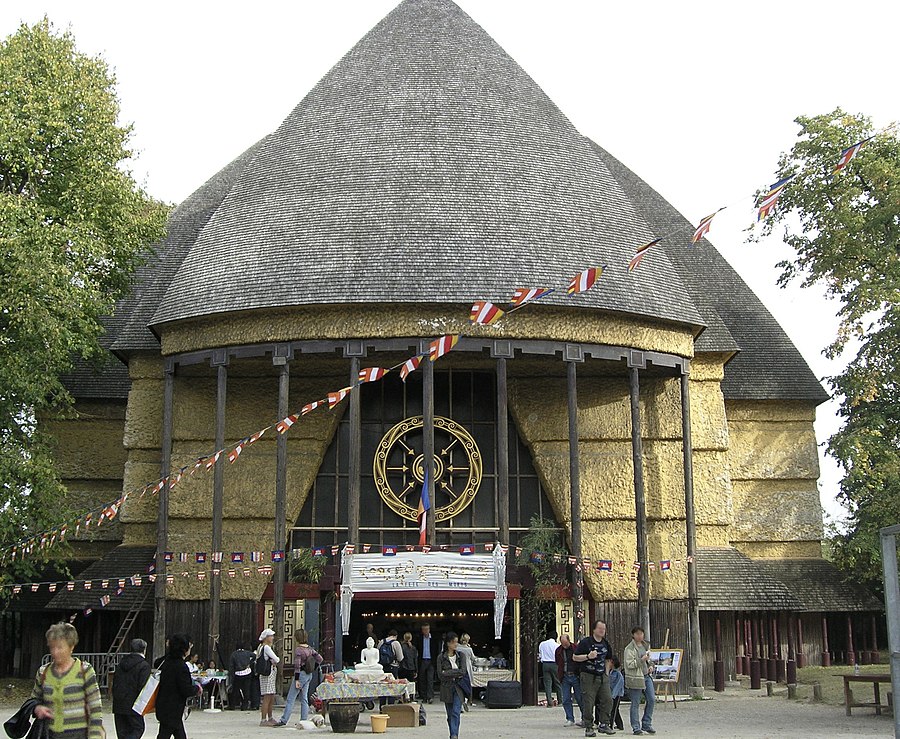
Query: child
<point>617,690</point>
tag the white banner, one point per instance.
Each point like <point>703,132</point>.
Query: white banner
<point>375,573</point>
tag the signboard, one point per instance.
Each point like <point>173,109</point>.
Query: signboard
<point>410,571</point>
<point>666,664</point>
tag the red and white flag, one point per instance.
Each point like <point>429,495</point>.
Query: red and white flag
<point>524,295</point>
<point>410,365</point>
<point>439,347</point>
<point>236,452</point>
<point>285,423</point>
<point>485,313</point>
<point>336,397</point>
<point>640,253</point>
<point>371,374</point>
<point>312,406</point>
<point>211,462</point>
<point>703,227</point>
<point>584,280</point>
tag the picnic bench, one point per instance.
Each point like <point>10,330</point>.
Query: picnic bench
<point>875,680</point>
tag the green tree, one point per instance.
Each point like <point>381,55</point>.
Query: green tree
<point>845,231</point>
<point>73,227</point>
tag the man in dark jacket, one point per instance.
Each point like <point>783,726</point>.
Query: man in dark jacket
<point>429,648</point>
<point>240,667</point>
<point>130,677</point>
<point>175,687</point>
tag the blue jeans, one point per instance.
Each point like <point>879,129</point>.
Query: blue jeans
<point>571,684</point>
<point>634,695</point>
<point>303,692</point>
<point>453,711</point>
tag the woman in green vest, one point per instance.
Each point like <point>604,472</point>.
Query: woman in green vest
<point>67,689</point>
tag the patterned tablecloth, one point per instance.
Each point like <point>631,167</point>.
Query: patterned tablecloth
<point>480,679</point>
<point>360,691</point>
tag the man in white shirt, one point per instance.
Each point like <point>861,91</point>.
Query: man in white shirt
<point>547,656</point>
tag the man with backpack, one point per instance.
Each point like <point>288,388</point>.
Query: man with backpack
<point>241,668</point>
<point>390,655</point>
<point>306,664</point>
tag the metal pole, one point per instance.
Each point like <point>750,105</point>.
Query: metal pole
<point>354,461</point>
<point>502,451</point>
<point>640,510</point>
<point>694,644</point>
<point>428,441</point>
<point>215,582</point>
<point>575,497</point>
<point>281,509</point>
<point>892,606</point>
<point>162,516</point>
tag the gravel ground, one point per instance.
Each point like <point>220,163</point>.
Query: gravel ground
<point>737,713</point>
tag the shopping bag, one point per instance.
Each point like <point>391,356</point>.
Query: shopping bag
<point>146,700</point>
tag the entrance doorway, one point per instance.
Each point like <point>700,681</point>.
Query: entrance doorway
<point>473,617</point>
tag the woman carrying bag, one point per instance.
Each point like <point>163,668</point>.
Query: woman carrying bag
<point>175,687</point>
<point>454,676</point>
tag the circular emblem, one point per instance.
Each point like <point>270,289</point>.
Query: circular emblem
<point>399,468</point>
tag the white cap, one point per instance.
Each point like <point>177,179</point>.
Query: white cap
<point>266,633</point>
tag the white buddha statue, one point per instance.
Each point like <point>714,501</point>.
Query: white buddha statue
<point>370,661</point>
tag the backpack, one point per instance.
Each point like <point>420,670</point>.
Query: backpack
<point>386,653</point>
<point>310,664</point>
<point>262,666</point>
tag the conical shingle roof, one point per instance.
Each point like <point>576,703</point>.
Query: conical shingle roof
<point>425,167</point>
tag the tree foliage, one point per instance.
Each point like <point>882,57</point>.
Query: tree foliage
<point>845,231</point>
<point>73,227</point>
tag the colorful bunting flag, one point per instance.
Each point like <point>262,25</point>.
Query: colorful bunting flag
<point>336,397</point>
<point>318,551</point>
<point>467,549</point>
<point>771,197</point>
<point>389,551</point>
<point>584,280</point>
<point>201,558</point>
<point>665,565</point>
<point>236,452</point>
<point>278,555</point>
<point>605,565</point>
<point>524,295</point>
<point>439,347</point>
<point>410,365</point>
<point>849,153</point>
<point>537,557</point>
<point>237,557</point>
<point>703,227</point>
<point>424,507</point>
<point>257,436</point>
<point>371,374</point>
<point>485,313</point>
<point>312,406</point>
<point>210,463</point>
<point>255,556</point>
<point>285,423</point>
<point>640,254</point>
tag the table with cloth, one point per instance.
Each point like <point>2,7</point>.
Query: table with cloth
<point>362,692</point>
<point>480,677</point>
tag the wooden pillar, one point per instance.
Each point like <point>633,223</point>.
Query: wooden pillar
<point>220,362</point>
<point>502,448</point>
<point>754,652</point>
<point>738,644</point>
<point>851,649</point>
<point>695,652</point>
<point>640,510</point>
<point>772,671</point>
<point>826,652</point>
<point>866,651</point>
<point>779,654</point>
<point>280,360</point>
<point>719,664</point>
<point>428,441</point>
<point>791,668</point>
<point>353,462</point>
<point>162,516</point>
<point>575,498</point>
<point>801,653</point>
<point>875,656</point>
<point>748,643</point>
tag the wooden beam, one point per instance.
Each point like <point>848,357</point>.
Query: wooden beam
<point>428,442</point>
<point>640,508</point>
<point>162,515</point>
<point>353,496</point>
<point>280,509</point>
<point>215,583</point>
<point>575,501</point>
<point>502,451</point>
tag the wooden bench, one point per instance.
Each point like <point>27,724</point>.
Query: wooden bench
<point>875,680</point>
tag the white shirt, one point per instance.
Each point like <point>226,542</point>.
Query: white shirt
<point>547,650</point>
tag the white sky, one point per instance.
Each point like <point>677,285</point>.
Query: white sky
<point>698,98</point>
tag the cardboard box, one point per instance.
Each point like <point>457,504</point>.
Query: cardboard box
<point>402,714</point>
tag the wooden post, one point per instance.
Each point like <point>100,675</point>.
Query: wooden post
<point>502,451</point>
<point>719,664</point>
<point>773,660</point>
<point>791,674</point>
<point>162,515</point>
<point>801,653</point>
<point>826,652</point>
<point>779,654</point>
<point>866,652</point>
<point>754,654</point>
<point>428,441</point>
<point>695,652</point>
<point>640,511</point>
<point>353,466</point>
<point>738,645</point>
<point>575,501</point>
<point>875,657</point>
<point>220,362</point>
<point>748,643</point>
<point>851,649</point>
<point>280,360</point>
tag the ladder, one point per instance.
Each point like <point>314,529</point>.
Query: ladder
<point>128,622</point>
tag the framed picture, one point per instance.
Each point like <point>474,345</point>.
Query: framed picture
<point>666,664</point>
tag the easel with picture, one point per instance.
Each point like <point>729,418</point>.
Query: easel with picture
<point>666,668</point>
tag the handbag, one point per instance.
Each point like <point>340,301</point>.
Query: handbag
<point>17,726</point>
<point>146,700</point>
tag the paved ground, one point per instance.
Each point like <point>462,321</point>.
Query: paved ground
<point>738,713</point>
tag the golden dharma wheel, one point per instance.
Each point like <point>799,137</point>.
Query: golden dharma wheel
<point>399,468</point>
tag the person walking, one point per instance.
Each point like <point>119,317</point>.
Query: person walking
<point>66,690</point>
<point>591,654</point>
<point>465,649</point>
<point>306,662</point>
<point>638,681</point>
<point>175,687</point>
<point>428,651</point>
<point>616,690</point>
<point>570,683</point>
<point>267,682</point>
<point>240,665</point>
<point>547,656</point>
<point>129,679</point>
<point>409,666</point>
<point>451,666</point>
